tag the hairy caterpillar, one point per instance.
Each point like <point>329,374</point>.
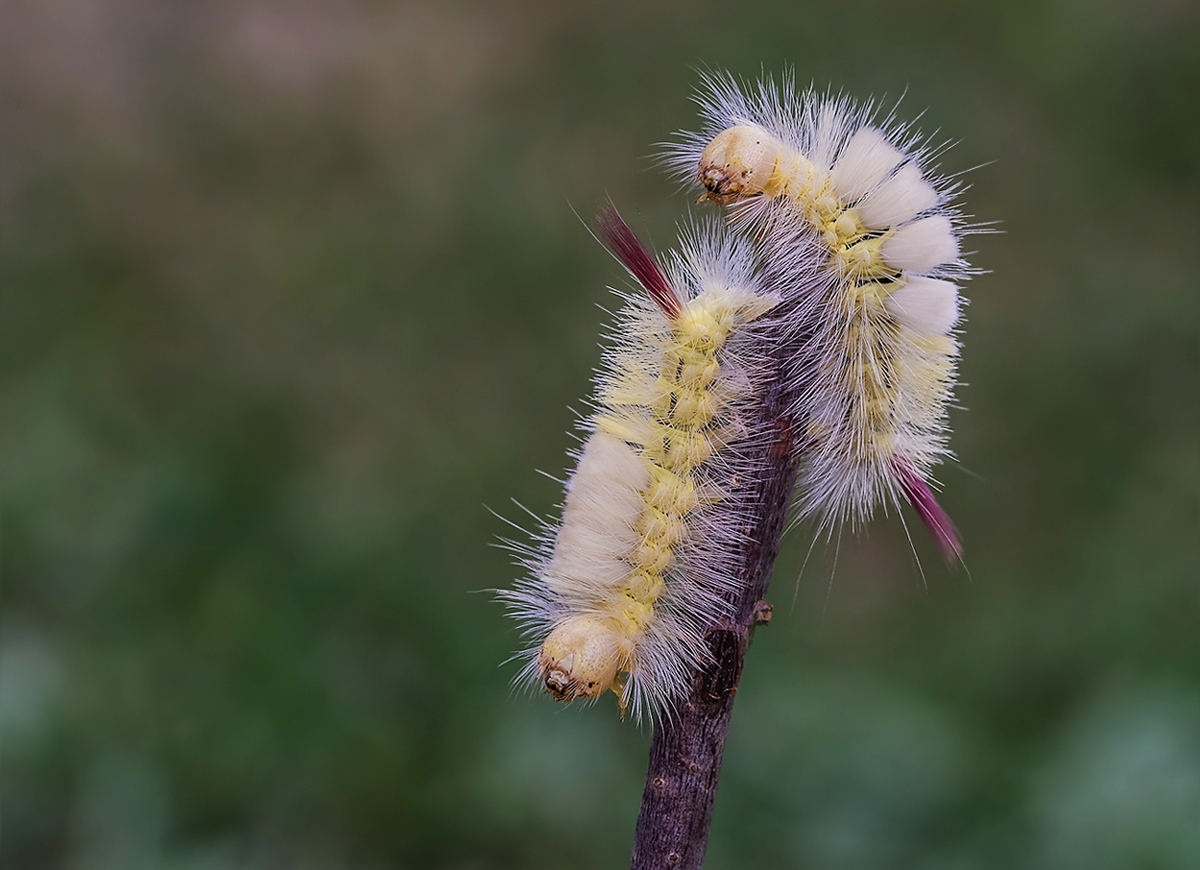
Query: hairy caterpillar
<point>622,589</point>
<point>877,366</point>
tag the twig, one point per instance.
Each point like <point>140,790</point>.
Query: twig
<point>686,753</point>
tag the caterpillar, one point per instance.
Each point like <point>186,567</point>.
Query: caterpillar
<point>877,365</point>
<point>621,590</point>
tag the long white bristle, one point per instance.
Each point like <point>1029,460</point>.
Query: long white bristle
<point>866,160</point>
<point>901,197</point>
<point>927,306</point>
<point>921,245</point>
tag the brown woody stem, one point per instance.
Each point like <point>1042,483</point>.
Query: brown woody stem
<point>685,755</point>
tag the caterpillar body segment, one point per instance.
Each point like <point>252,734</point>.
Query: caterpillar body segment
<point>643,559</point>
<point>877,361</point>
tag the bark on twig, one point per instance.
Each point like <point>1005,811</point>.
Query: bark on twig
<point>685,755</point>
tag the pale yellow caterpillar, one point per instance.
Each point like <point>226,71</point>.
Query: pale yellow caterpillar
<point>621,590</point>
<point>877,367</point>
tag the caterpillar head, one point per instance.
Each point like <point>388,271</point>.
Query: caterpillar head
<point>738,163</point>
<point>580,659</point>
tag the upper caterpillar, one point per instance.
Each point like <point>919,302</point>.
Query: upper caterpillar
<point>622,590</point>
<point>878,361</point>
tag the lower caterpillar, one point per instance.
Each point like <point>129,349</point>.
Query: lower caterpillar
<point>622,588</point>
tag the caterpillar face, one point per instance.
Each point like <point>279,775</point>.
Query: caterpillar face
<point>580,659</point>
<point>738,163</point>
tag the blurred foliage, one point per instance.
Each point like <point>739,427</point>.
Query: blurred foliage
<point>292,291</point>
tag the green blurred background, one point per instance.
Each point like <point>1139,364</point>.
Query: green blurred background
<point>292,291</point>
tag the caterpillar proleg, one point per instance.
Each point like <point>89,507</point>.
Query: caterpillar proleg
<point>877,365</point>
<point>621,590</point>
